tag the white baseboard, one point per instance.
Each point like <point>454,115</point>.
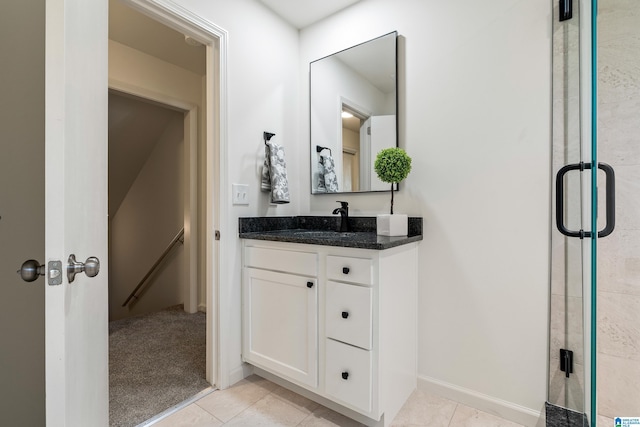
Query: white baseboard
<point>501,408</point>
<point>239,373</point>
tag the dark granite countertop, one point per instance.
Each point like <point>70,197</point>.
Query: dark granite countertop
<point>321,230</point>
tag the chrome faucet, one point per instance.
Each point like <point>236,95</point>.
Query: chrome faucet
<point>344,216</point>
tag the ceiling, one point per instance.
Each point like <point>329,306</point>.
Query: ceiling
<point>302,13</point>
<point>131,28</point>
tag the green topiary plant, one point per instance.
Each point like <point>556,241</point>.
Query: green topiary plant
<point>392,165</point>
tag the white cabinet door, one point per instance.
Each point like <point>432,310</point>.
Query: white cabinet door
<point>280,324</point>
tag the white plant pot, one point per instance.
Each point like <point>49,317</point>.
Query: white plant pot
<point>392,225</point>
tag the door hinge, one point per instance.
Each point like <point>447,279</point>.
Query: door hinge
<point>368,130</point>
<point>566,361</point>
<point>565,9</point>
<point>217,234</point>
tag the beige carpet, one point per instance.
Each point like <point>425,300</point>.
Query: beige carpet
<point>155,361</point>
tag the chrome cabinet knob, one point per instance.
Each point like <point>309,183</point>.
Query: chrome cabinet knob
<point>31,270</point>
<point>91,267</point>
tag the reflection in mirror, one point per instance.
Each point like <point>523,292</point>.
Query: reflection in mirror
<point>351,124</point>
<point>353,115</point>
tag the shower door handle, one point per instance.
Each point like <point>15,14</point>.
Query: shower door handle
<point>610,200</point>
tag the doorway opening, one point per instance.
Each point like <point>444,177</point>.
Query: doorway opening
<point>159,277</point>
<point>148,192</point>
<point>352,122</point>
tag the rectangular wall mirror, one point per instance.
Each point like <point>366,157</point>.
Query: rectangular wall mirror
<point>353,115</point>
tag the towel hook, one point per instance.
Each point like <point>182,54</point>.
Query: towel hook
<point>319,149</point>
<point>267,136</point>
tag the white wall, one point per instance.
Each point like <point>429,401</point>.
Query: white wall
<point>22,332</point>
<point>131,68</point>
<point>263,89</point>
<point>149,217</point>
<point>474,115</point>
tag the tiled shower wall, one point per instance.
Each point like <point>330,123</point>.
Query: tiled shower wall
<point>619,254</point>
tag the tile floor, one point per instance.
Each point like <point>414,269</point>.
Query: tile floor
<point>257,402</point>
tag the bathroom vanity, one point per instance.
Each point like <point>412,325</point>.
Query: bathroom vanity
<point>332,315</point>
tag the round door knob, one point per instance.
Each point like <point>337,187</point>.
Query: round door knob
<point>345,270</point>
<point>345,314</point>
<point>309,285</point>
<point>91,267</point>
<point>31,270</point>
<point>345,375</point>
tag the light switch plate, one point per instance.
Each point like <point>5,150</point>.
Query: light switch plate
<point>240,194</point>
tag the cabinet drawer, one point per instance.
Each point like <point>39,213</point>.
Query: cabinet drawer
<point>303,263</point>
<point>348,313</point>
<point>356,270</point>
<point>348,374</point>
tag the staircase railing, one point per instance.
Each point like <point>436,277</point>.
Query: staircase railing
<point>179,238</point>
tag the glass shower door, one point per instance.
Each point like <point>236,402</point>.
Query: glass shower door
<point>595,98</point>
<point>570,339</point>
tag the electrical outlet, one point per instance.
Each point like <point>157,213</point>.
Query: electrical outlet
<point>240,194</point>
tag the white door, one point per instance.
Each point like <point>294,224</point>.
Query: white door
<point>76,344</point>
